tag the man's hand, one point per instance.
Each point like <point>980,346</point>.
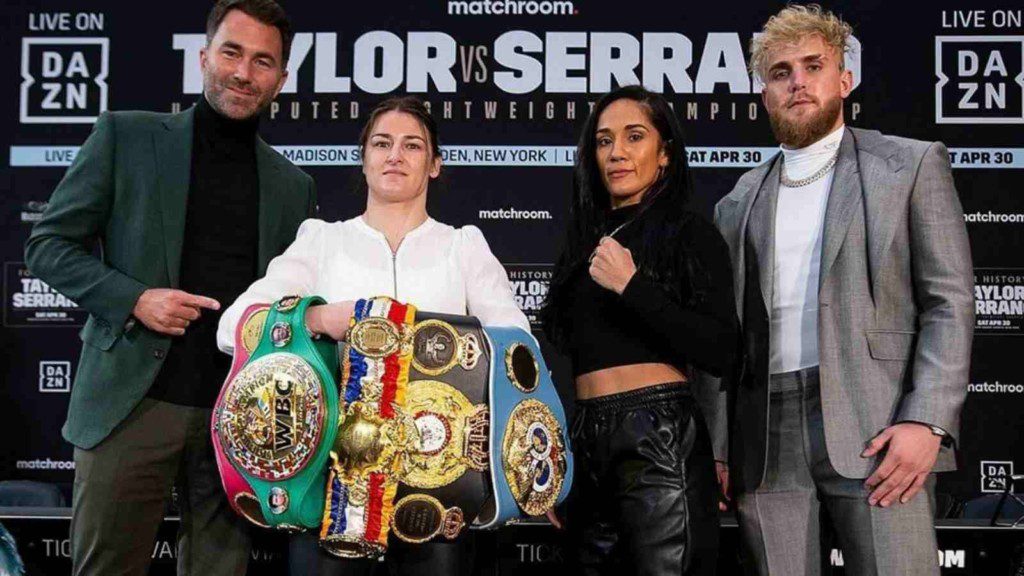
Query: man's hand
<point>722,474</point>
<point>611,265</point>
<point>330,319</point>
<point>170,311</point>
<point>909,458</point>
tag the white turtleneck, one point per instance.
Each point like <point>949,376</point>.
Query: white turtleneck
<point>799,221</point>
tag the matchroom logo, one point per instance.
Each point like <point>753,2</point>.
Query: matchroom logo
<point>511,8</point>
<point>63,80</point>
<point>981,80</point>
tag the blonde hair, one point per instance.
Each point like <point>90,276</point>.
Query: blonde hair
<point>791,25</point>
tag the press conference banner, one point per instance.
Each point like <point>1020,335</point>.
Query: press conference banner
<point>510,83</point>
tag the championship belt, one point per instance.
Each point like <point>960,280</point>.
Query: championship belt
<point>375,431</point>
<point>419,452</point>
<point>240,494</point>
<point>530,457</point>
<point>276,419</point>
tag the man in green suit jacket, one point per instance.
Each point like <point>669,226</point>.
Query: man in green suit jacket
<point>188,209</point>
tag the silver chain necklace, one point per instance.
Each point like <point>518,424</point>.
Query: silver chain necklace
<point>812,178</point>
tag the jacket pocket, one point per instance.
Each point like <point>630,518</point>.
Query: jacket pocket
<point>96,333</point>
<point>891,344</point>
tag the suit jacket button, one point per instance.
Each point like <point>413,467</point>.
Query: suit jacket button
<point>158,354</point>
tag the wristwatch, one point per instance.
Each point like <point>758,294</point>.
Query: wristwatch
<point>947,440</point>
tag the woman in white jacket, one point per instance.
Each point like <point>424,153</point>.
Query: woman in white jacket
<point>396,249</point>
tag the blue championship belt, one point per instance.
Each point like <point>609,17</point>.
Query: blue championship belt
<point>531,459</point>
<point>277,418</point>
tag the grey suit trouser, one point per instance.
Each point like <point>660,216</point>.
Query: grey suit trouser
<point>779,521</point>
<point>122,486</point>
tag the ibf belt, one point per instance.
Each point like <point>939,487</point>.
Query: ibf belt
<point>375,430</point>
<point>275,420</point>
<point>530,456</point>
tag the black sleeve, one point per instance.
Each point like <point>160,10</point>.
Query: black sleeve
<point>704,335</point>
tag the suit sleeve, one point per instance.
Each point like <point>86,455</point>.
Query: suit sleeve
<point>296,272</point>
<point>488,293</point>
<point>943,279</point>
<point>59,249</point>
<point>311,206</point>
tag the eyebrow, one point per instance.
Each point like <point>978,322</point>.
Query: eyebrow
<point>390,137</point>
<point>628,127</point>
<point>805,59</point>
<point>240,48</point>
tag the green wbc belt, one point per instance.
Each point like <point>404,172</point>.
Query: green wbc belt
<point>279,417</point>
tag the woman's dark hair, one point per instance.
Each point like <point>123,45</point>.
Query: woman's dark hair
<point>662,214</point>
<point>417,109</point>
<point>410,105</point>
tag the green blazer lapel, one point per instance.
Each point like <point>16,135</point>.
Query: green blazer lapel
<point>271,189</point>
<point>173,147</point>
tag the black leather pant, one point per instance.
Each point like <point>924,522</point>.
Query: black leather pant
<point>646,500</point>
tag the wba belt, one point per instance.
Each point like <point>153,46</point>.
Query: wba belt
<point>276,418</point>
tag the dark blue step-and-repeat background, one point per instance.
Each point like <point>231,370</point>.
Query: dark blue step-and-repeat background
<point>510,83</point>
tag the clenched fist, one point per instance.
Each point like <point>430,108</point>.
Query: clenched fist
<point>611,265</point>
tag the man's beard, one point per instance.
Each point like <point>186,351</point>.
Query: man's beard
<point>217,95</point>
<point>803,133</point>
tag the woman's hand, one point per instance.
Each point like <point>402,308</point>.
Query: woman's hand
<point>553,518</point>
<point>330,320</point>
<point>722,474</point>
<point>611,265</point>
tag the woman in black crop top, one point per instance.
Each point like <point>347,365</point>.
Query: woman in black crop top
<point>641,300</point>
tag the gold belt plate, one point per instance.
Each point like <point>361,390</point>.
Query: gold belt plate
<point>273,416</point>
<point>420,517</point>
<point>253,329</point>
<point>533,454</point>
<point>375,337</point>
<point>450,437</point>
<point>438,347</point>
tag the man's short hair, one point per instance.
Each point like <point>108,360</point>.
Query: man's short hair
<point>268,12</point>
<point>791,25</point>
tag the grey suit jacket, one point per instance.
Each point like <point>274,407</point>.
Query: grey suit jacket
<point>896,314</point>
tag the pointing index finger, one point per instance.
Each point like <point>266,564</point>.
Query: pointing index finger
<point>202,302</point>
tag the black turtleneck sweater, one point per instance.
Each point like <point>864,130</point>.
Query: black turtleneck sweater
<point>647,324</point>
<point>219,253</point>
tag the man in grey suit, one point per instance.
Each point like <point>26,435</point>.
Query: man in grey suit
<point>853,283</point>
